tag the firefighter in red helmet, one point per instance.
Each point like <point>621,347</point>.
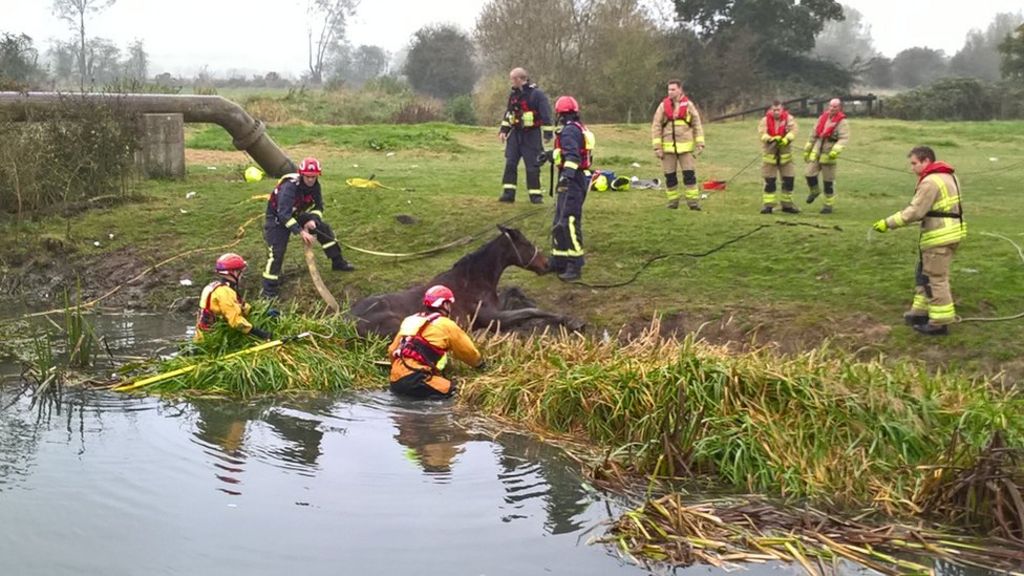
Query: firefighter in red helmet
<point>572,155</point>
<point>296,207</point>
<point>419,352</point>
<point>221,300</point>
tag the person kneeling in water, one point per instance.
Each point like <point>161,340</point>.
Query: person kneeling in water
<point>419,352</point>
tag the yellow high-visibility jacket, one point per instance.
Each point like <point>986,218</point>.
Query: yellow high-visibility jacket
<point>936,204</point>
<point>678,136</point>
<point>442,333</point>
<point>219,301</point>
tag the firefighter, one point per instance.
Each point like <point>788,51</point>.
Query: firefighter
<point>777,130</point>
<point>296,207</point>
<point>527,116</point>
<point>936,205</point>
<point>677,135</point>
<point>221,300</point>
<point>827,141</point>
<point>574,145</point>
<point>419,352</point>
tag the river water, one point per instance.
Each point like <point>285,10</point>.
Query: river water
<point>100,483</point>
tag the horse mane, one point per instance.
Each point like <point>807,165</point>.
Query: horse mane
<point>474,255</point>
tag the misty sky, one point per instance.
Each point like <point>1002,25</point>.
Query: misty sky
<point>257,36</point>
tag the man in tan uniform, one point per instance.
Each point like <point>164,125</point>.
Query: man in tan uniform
<point>828,140</point>
<point>777,130</point>
<point>677,135</point>
<point>936,205</point>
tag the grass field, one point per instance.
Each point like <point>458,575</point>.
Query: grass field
<point>792,285</point>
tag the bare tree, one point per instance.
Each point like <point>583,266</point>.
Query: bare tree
<point>74,13</point>
<point>327,19</point>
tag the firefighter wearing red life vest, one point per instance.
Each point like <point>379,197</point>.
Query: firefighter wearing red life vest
<point>527,118</point>
<point>777,130</point>
<point>220,300</point>
<point>572,155</point>
<point>827,142</point>
<point>677,136</point>
<point>936,205</point>
<point>420,350</point>
<point>296,207</point>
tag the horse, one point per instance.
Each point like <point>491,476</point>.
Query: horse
<point>474,281</point>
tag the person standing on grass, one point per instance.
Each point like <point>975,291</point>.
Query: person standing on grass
<point>419,352</point>
<point>221,300</point>
<point>678,136</point>
<point>777,130</point>
<point>296,207</point>
<point>936,205</point>
<point>572,155</point>
<point>527,115</point>
<point>828,140</point>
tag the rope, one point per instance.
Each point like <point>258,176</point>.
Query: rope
<point>742,170</point>
<point>1020,253</point>
<point>708,252</point>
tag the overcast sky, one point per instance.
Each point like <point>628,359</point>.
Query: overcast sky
<point>252,36</point>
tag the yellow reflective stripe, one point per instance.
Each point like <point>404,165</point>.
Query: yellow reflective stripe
<point>656,141</point>
<point>678,148</point>
<point>291,222</point>
<point>944,312</point>
<point>896,220</point>
<point>692,194</point>
<point>672,194</point>
<point>535,192</point>
<point>527,118</point>
<point>556,252</point>
<point>556,155</point>
<point>768,158</point>
<point>509,186</point>
<point>329,244</point>
<point>768,198</point>
<point>571,164</point>
<point>700,139</point>
<point>943,236</point>
<point>270,262</point>
<point>838,148</point>
<point>577,247</point>
<point>505,124</point>
<point>920,302</point>
<point>316,213</point>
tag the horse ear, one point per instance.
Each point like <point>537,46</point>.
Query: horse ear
<point>502,229</point>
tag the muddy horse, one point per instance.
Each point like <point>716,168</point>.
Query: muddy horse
<point>474,280</point>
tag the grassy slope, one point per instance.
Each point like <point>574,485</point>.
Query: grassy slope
<point>790,283</point>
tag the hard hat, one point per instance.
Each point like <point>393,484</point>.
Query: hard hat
<point>621,183</point>
<point>599,182</point>
<point>309,166</point>
<point>566,104</point>
<point>230,263</point>
<point>436,296</point>
<point>253,174</point>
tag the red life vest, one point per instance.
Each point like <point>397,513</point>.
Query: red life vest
<point>206,318</point>
<point>418,349</point>
<point>681,113</point>
<point>778,129</point>
<point>827,125</point>
<point>585,149</point>
<point>301,202</point>
<point>520,106</point>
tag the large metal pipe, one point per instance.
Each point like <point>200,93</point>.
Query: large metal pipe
<point>248,134</point>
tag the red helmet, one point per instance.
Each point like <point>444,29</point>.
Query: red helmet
<point>230,263</point>
<point>566,104</point>
<point>309,167</point>
<point>436,296</point>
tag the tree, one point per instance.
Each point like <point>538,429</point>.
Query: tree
<point>102,61</point>
<point>916,66</point>
<point>877,72</point>
<point>19,59</point>
<point>1012,50</point>
<point>846,41</point>
<point>440,61</point>
<point>74,13</point>
<point>136,66</point>
<point>326,32</point>
<point>979,58</point>
<point>63,58</point>
<point>367,63</point>
<point>787,26</point>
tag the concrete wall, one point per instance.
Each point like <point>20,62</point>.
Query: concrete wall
<point>161,151</point>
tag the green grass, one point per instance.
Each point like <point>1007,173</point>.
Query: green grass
<point>793,285</point>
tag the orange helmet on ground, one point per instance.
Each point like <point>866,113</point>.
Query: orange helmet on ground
<point>436,296</point>
<point>566,104</point>
<point>309,166</point>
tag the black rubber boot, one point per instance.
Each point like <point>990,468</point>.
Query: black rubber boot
<point>790,209</point>
<point>341,265</point>
<point>673,204</point>
<point>766,210</point>
<point>536,199</point>
<point>911,319</point>
<point>826,209</point>
<point>571,274</point>
<point>508,196</point>
<point>932,329</point>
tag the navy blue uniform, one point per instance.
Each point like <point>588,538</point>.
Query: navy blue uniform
<point>291,206</point>
<point>573,160</point>
<point>527,116</point>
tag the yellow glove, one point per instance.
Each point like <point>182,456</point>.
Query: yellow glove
<point>881,226</point>
<point>783,141</point>
<point>833,154</point>
<point>808,147</point>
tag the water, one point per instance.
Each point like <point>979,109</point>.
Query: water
<point>106,483</point>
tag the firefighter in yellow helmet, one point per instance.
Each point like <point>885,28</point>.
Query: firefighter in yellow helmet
<point>936,205</point>
<point>221,300</point>
<point>419,352</point>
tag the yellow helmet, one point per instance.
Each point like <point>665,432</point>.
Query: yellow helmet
<point>253,174</point>
<point>600,182</point>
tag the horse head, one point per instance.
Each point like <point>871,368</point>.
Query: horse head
<point>524,253</point>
